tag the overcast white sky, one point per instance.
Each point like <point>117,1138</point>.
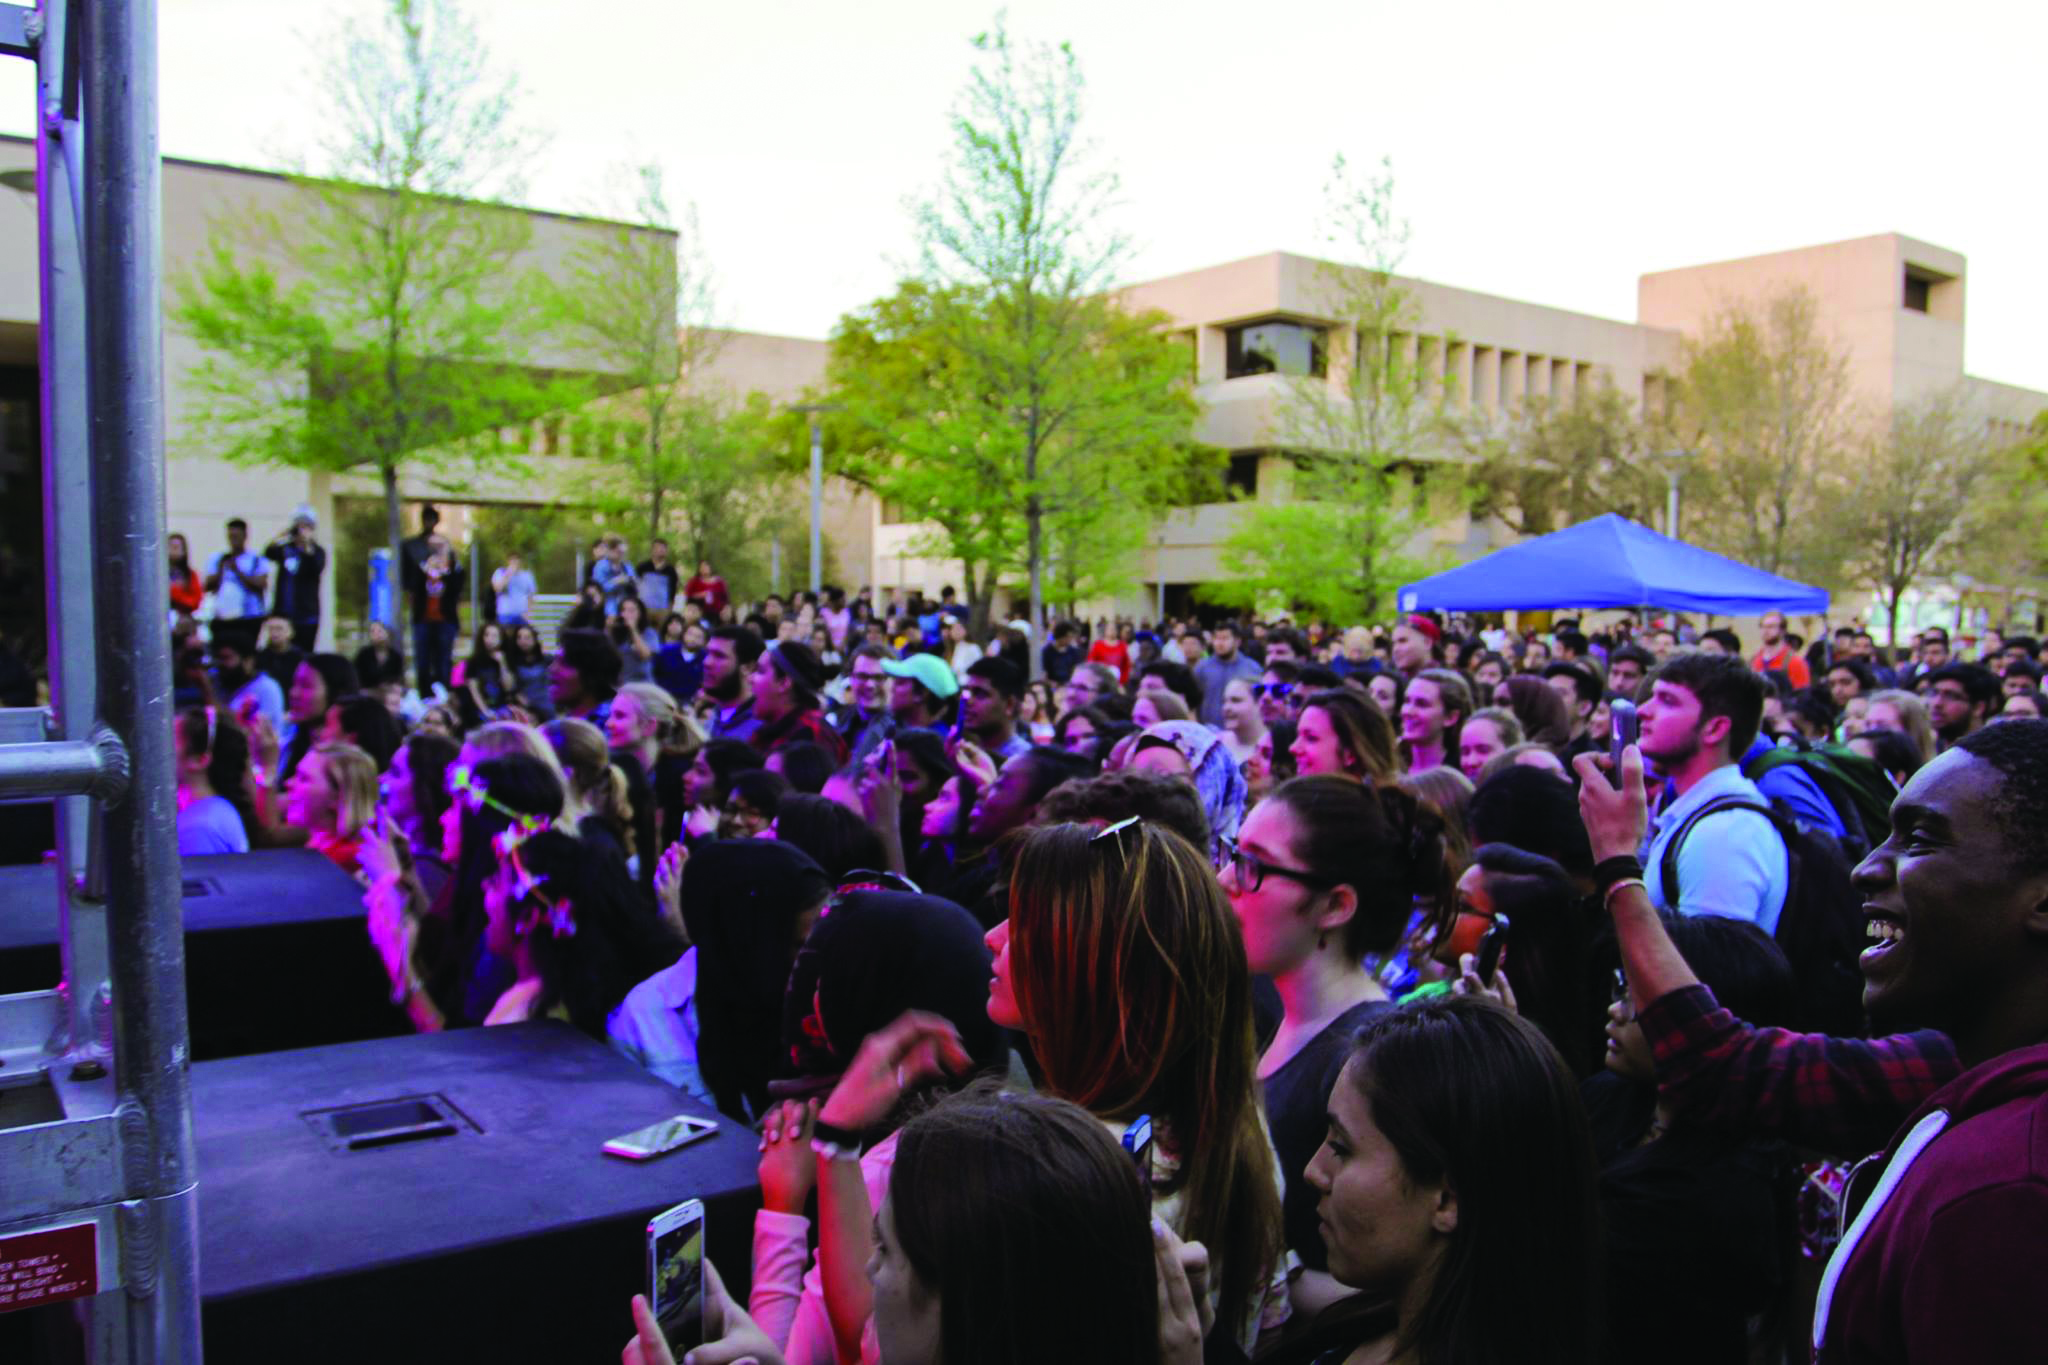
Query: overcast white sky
<point>1549,152</point>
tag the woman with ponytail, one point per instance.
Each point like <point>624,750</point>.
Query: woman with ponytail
<point>653,742</point>
<point>599,807</point>
<point>214,813</point>
<point>1324,872</point>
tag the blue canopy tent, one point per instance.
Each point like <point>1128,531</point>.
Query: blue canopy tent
<point>1610,561</point>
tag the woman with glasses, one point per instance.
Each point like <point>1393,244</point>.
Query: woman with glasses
<point>1323,873</point>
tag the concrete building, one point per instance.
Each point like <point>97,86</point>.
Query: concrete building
<point>1896,305</point>
<point>205,490</point>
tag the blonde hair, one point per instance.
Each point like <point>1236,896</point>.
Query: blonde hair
<point>352,776</point>
<point>1505,723</point>
<point>676,730</point>
<point>1166,705</point>
<point>508,739</point>
<point>596,786</point>
<point>1912,714</point>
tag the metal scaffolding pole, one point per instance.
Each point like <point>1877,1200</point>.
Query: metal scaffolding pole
<point>145,915</point>
<point>119,1165</point>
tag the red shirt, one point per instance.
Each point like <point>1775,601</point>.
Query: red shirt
<point>187,592</point>
<point>1115,653</point>
<point>708,593</point>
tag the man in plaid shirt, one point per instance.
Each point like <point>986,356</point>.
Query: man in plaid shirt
<point>1940,1260</point>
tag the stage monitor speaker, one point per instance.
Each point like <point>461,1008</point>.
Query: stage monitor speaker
<point>276,955</point>
<point>445,1197</point>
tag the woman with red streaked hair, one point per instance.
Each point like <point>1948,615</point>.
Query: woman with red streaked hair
<point>1123,963</point>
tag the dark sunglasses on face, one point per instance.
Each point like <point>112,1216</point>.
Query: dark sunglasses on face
<point>1277,691</point>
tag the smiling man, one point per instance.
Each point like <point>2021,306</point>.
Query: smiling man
<point>1949,1224</point>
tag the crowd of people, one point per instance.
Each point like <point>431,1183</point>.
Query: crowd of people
<point>1455,1038</point>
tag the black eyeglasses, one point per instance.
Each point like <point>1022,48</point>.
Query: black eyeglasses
<point>1251,872</point>
<point>1273,690</point>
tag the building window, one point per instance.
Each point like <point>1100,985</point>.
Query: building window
<point>1917,287</point>
<point>1241,480</point>
<point>1274,347</point>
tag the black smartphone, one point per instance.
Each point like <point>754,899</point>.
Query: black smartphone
<point>1490,945</point>
<point>1138,1142</point>
<point>1622,728</point>
<point>675,1274</point>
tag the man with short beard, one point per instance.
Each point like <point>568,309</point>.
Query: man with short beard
<point>1961,699</point>
<point>728,656</point>
<point>1777,654</point>
<point>249,692</point>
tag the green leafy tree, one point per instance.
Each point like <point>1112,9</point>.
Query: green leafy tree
<point>385,321</point>
<point>672,449</point>
<point>2002,543</point>
<point>1763,402</point>
<point>1367,436</point>
<point>1002,393</point>
<point>1556,464</point>
<point>1908,498</point>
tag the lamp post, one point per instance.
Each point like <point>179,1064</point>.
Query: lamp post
<point>812,410</point>
<point>1673,470</point>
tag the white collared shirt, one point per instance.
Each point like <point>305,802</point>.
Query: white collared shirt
<point>1733,863</point>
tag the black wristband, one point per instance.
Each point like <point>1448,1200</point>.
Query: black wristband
<point>1612,870</point>
<point>834,1134</point>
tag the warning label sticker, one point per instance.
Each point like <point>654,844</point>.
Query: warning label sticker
<point>48,1266</point>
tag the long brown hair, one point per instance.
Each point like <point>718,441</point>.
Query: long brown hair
<point>1130,972</point>
<point>1476,1098</point>
<point>1362,729</point>
<point>1007,1205</point>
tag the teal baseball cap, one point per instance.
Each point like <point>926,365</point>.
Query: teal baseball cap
<point>927,669</point>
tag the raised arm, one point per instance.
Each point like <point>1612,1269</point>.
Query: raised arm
<point>1842,1095</point>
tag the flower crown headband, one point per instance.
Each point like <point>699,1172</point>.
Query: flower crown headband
<point>465,786</point>
<point>470,790</point>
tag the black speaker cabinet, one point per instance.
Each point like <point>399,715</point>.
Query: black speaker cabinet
<point>276,954</point>
<point>444,1197</point>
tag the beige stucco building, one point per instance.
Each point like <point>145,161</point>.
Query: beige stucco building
<point>1895,305</point>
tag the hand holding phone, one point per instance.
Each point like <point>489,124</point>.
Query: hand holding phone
<point>675,1274</point>
<point>1624,725</point>
<point>1491,945</point>
<point>1138,1142</point>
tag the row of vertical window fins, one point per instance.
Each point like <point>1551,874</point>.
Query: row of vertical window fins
<point>1471,374</point>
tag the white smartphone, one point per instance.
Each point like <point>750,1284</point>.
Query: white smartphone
<point>675,1274</point>
<point>665,1136</point>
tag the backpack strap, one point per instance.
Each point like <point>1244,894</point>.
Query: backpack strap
<point>1667,866</point>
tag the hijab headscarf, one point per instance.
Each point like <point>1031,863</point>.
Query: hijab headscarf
<point>742,899</point>
<point>1218,778</point>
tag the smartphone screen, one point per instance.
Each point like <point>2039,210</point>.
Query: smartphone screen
<point>676,1250</point>
<point>1622,731</point>
<point>1138,1142</point>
